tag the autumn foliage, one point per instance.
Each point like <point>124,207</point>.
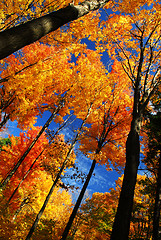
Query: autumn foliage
<point>99,76</point>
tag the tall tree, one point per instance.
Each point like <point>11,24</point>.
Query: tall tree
<point>135,42</point>
<point>36,73</point>
<point>21,159</point>
<point>104,137</point>
<point>32,190</point>
<point>62,95</point>
<point>55,181</point>
<point>144,86</point>
<point>18,220</point>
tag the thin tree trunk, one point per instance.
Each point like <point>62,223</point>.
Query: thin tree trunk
<point>107,126</point>
<point>57,178</point>
<point>25,176</point>
<point>11,173</point>
<point>121,224</point>
<point>17,37</point>
<point>24,202</point>
<point>45,203</point>
<point>157,206</point>
<point>75,209</point>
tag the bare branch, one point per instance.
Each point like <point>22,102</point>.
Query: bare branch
<point>148,69</point>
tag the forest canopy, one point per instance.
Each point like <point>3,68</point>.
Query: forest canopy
<point>81,84</point>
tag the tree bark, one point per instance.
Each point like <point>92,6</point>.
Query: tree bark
<point>121,224</point>
<point>157,206</point>
<point>17,37</point>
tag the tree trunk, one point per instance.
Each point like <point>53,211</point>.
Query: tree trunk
<point>81,195</point>
<point>50,192</point>
<point>5,119</point>
<point>24,202</point>
<point>57,177</point>
<point>44,204</point>
<point>157,206</point>
<point>17,37</point>
<point>121,224</point>
<point>25,176</point>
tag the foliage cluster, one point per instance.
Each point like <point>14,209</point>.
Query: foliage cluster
<point>109,106</point>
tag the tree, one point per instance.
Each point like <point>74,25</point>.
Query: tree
<point>96,216</point>
<point>8,158</point>
<point>135,42</point>
<point>64,93</point>
<point>16,224</point>
<point>29,76</point>
<point>26,152</point>
<point>19,36</point>
<point>30,194</point>
<point>103,137</point>
<point>55,181</point>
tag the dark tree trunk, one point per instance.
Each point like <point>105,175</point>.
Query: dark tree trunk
<point>157,206</point>
<point>44,204</point>
<point>48,196</point>
<point>81,195</point>
<point>17,37</point>
<point>122,219</point>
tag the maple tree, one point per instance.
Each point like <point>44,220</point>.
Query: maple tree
<point>32,77</point>
<point>64,163</point>
<point>135,42</point>
<point>91,91</point>
<point>53,101</point>
<point>11,153</point>
<point>103,137</point>
<point>26,194</point>
<point>59,74</point>
<point>26,152</point>
<point>16,224</point>
<point>90,104</point>
<point>17,37</point>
